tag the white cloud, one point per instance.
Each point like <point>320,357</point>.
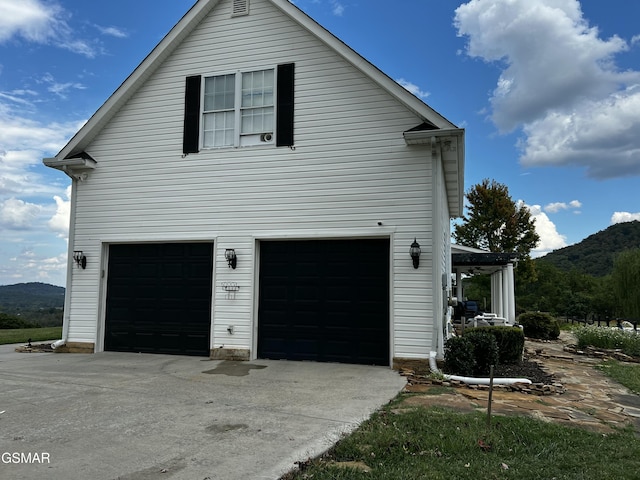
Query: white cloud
<point>622,217</point>
<point>550,239</point>
<point>338,8</point>
<point>558,82</point>
<point>29,266</point>
<point>16,214</point>
<point>59,223</point>
<point>112,31</point>
<point>26,142</point>
<point>635,39</point>
<point>41,22</point>
<point>558,206</point>
<point>412,88</point>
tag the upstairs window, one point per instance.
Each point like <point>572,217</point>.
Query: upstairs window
<point>239,109</point>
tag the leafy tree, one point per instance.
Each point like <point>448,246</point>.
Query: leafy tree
<point>626,282</point>
<point>495,222</point>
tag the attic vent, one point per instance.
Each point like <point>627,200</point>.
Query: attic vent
<point>240,7</point>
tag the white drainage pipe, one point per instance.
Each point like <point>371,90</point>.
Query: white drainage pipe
<point>58,343</point>
<point>474,380</point>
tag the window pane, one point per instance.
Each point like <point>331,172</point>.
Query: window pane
<point>219,93</point>
<point>257,120</point>
<point>257,88</point>
<point>219,129</point>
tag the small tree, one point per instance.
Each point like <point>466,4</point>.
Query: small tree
<point>626,282</point>
<point>495,222</point>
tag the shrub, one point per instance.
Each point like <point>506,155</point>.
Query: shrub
<point>485,351</point>
<point>510,342</point>
<point>539,325</point>
<point>11,322</point>
<point>458,356</point>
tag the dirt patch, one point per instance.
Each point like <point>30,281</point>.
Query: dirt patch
<point>35,348</point>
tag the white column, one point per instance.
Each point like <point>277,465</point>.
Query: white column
<point>458,285</point>
<point>494,306</point>
<point>510,314</point>
<point>499,310</point>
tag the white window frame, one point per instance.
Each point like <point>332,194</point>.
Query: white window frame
<point>265,138</point>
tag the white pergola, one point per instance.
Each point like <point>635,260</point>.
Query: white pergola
<point>473,261</point>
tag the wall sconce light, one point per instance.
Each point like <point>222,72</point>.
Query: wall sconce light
<point>415,251</point>
<point>80,259</point>
<point>230,256</point>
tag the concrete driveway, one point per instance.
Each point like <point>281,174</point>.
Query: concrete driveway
<point>137,417</point>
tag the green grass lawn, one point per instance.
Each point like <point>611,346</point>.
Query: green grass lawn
<point>628,374</point>
<point>21,335</point>
<point>435,443</point>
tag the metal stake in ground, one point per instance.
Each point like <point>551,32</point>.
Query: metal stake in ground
<point>490,397</point>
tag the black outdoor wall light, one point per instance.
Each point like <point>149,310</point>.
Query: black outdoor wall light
<point>80,259</point>
<point>414,251</point>
<point>230,256</point>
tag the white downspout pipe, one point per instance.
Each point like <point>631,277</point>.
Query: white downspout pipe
<point>474,380</point>
<point>70,248</point>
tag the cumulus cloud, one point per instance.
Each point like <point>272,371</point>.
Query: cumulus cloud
<point>41,22</point>
<point>413,88</point>
<point>550,239</point>
<point>622,217</point>
<point>16,214</point>
<point>59,223</point>
<point>558,206</point>
<point>558,82</point>
<point>26,142</point>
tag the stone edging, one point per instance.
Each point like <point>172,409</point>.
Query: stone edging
<point>539,389</point>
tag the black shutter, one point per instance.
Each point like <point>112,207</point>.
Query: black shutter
<point>191,133</point>
<point>285,94</point>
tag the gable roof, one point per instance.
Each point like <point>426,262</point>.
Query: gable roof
<point>438,125</point>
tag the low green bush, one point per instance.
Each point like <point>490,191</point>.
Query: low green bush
<point>458,356</point>
<point>10,322</point>
<point>485,351</point>
<point>539,325</point>
<point>510,342</point>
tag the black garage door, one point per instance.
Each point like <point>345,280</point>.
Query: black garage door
<point>325,301</point>
<point>159,298</point>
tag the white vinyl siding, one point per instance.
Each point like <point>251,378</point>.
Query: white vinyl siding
<point>350,169</point>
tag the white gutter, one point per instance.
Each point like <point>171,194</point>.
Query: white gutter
<point>474,380</point>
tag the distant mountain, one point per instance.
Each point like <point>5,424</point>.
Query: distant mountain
<point>40,303</point>
<point>594,255</point>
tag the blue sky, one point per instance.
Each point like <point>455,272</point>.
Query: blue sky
<point>547,90</point>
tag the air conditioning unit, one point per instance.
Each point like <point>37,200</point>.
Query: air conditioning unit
<point>266,137</point>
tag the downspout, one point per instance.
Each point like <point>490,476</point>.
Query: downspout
<point>70,247</point>
<point>437,342</point>
<point>474,380</point>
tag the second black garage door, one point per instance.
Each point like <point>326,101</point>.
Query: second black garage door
<point>159,298</point>
<point>324,301</point>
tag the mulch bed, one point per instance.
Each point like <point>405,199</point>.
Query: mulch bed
<point>525,369</point>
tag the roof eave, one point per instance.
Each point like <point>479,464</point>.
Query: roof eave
<point>453,165</point>
<point>77,168</point>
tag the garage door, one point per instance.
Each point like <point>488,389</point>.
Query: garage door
<point>159,298</point>
<point>325,301</point>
